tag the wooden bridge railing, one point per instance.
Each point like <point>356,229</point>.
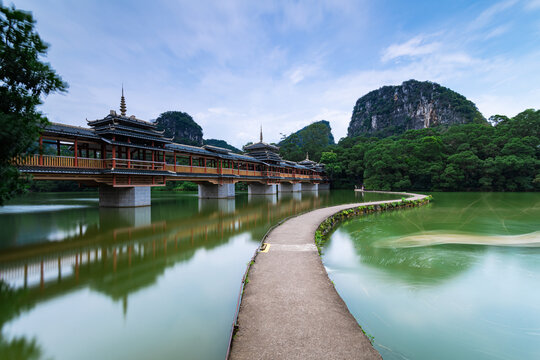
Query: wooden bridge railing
<point>90,163</point>
<point>60,161</point>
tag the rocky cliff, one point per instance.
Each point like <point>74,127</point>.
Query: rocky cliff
<point>181,127</point>
<point>393,110</point>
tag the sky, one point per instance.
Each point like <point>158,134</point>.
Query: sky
<point>237,65</point>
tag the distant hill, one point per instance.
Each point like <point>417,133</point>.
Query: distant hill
<point>222,144</point>
<point>181,127</point>
<point>312,139</point>
<point>392,110</point>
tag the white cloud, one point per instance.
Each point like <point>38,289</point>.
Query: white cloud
<point>488,15</point>
<point>236,65</point>
<point>497,31</point>
<point>532,4</point>
<point>299,73</point>
<point>416,46</point>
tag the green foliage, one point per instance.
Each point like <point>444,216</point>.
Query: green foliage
<point>24,80</point>
<point>312,139</point>
<point>186,186</point>
<point>181,127</point>
<point>466,157</point>
<point>58,186</point>
<point>221,144</point>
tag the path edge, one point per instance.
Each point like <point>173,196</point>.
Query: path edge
<point>355,210</point>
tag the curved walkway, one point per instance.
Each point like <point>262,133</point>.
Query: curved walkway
<point>290,308</point>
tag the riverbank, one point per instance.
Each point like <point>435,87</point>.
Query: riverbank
<point>290,308</point>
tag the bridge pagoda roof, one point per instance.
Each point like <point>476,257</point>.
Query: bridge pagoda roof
<point>114,118</point>
<point>132,134</point>
<point>69,130</point>
<point>205,151</point>
<point>265,152</point>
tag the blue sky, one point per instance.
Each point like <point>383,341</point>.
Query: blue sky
<point>235,65</point>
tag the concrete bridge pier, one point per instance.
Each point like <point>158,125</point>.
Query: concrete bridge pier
<point>310,187</point>
<point>261,189</point>
<point>288,187</point>
<point>325,186</point>
<point>215,191</point>
<point>124,196</point>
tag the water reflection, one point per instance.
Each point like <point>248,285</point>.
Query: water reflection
<point>269,198</point>
<point>458,298</point>
<point>110,218</point>
<point>227,206</point>
<point>186,255</point>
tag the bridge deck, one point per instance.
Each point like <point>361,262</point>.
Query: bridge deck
<point>290,309</point>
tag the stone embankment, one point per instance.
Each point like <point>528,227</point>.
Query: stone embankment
<point>290,308</point>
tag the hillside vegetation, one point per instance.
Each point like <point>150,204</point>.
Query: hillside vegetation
<point>312,139</point>
<point>504,157</point>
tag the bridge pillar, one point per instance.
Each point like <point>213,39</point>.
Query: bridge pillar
<point>310,187</point>
<point>325,186</point>
<point>213,191</point>
<point>261,189</point>
<point>124,196</point>
<point>288,187</point>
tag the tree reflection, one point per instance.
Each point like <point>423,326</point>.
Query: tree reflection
<point>429,265</point>
<point>10,307</point>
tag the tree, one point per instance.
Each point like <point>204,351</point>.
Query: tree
<point>181,127</point>
<point>24,80</point>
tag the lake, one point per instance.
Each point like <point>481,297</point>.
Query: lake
<point>83,282</point>
<point>456,279</point>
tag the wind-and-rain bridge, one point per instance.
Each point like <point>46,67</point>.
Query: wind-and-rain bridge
<point>125,157</point>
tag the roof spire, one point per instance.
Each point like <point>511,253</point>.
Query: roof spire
<point>123,103</point>
<point>261,134</point>
<point>307,156</point>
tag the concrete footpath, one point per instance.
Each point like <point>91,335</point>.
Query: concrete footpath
<point>290,308</point>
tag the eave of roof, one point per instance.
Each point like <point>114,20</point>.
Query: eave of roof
<point>261,145</point>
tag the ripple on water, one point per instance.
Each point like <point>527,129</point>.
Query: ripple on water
<point>436,238</point>
<point>19,209</point>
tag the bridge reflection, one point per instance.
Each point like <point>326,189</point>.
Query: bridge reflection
<point>120,251</point>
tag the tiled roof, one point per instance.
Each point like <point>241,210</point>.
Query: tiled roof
<point>116,118</point>
<point>63,129</point>
<point>112,131</point>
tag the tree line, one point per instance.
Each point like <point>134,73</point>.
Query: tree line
<point>471,157</point>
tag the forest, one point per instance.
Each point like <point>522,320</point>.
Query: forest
<point>470,157</point>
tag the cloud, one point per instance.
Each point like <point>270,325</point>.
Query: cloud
<point>302,72</point>
<point>497,31</point>
<point>416,46</point>
<point>488,15</point>
<point>532,5</point>
<point>236,65</point>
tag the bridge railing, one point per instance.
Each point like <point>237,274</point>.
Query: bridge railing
<point>135,164</point>
<point>60,161</point>
<point>91,163</point>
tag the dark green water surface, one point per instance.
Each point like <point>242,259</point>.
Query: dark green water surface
<point>160,282</point>
<point>457,279</point>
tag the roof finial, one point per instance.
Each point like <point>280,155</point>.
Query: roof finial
<point>123,103</point>
<point>261,134</point>
<point>307,155</point>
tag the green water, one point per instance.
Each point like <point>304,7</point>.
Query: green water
<point>457,279</point>
<point>80,282</point>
